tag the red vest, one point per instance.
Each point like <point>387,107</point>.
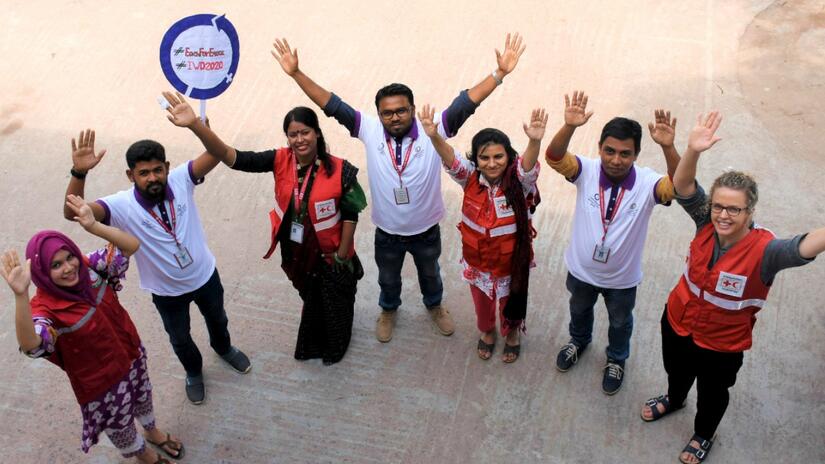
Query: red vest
<point>718,306</point>
<point>323,205</point>
<point>488,229</point>
<point>97,354</point>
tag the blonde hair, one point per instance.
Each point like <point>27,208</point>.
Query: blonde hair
<point>738,180</point>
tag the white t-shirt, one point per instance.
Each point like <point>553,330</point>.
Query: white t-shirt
<point>422,178</point>
<point>159,270</point>
<point>626,234</point>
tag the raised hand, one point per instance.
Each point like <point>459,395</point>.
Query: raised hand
<point>538,122</point>
<point>703,135</point>
<point>83,152</point>
<point>513,49</point>
<point>663,131</point>
<point>287,58</point>
<point>180,113</point>
<point>426,116</point>
<point>17,275</point>
<point>83,212</point>
<point>575,110</point>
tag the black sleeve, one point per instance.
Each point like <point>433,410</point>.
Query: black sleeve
<point>343,113</point>
<point>348,173</point>
<point>696,206</point>
<point>250,161</point>
<point>457,113</point>
<point>781,254</point>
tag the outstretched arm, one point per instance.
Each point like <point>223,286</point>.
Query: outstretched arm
<point>813,244</point>
<point>663,132</point>
<point>507,61</point>
<point>126,242</point>
<point>83,161</point>
<point>18,277</point>
<point>181,114</point>
<point>444,149</point>
<point>288,59</point>
<point>575,115</point>
<point>535,132</point>
<point>702,137</point>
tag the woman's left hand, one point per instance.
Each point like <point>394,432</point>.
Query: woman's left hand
<point>538,123</point>
<point>83,212</point>
<point>17,275</point>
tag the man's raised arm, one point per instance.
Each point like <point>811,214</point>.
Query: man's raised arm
<point>83,161</point>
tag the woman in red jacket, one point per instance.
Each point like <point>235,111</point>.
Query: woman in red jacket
<point>710,314</point>
<point>500,195</point>
<point>76,321</point>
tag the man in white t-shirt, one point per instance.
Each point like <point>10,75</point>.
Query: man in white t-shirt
<point>404,173</point>
<point>174,262</point>
<point>614,202</point>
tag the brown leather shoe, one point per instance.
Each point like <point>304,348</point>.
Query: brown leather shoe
<point>442,320</point>
<point>384,326</point>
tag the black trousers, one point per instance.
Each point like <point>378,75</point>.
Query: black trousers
<point>714,373</point>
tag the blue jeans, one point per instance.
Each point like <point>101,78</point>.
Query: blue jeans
<point>174,312</point>
<point>425,249</point>
<point>619,303</point>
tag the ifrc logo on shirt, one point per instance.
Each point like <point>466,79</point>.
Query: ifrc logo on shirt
<point>731,284</point>
<point>325,209</point>
<point>503,210</point>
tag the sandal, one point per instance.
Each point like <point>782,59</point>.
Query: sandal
<point>170,443</point>
<point>485,350</point>
<point>654,410</point>
<point>511,349</point>
<point>162,460</point>
<point>701,453</point>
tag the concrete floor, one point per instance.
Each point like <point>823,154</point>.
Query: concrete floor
<point>424,397</point>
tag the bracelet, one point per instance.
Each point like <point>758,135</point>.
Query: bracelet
<point>496,78</point>
<point>337,259</point>
<point>77,175</point>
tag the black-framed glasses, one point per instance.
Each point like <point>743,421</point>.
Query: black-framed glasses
<point>400,112</point>
<point>733,211</point>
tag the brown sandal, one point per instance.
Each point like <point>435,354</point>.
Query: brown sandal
<point>170,443</point>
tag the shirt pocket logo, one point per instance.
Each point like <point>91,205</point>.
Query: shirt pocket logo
<point>731,284</point>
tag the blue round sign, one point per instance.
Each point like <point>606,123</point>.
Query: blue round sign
<point>199,55</point>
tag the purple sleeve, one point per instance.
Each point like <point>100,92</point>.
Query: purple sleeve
<point>192,177</point>
<point>48,338</point>
<point>107,215</point>
<point>110,264</point>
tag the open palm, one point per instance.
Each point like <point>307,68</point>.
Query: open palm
<point>703,135</point>
<point>17,275</point>
<point>83,152</point>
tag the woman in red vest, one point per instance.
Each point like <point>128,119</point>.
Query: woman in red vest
<point>76,321</point>
<point>317,201</point>
<point>500,196</point>
<point>710,314</point>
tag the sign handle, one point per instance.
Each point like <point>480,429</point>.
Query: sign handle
<point>203,110</point>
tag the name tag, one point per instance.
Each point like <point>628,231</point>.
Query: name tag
<point>503,210</point>
<point>183,257</point>
<point>325,209</point>
<point>402,195</point>
<point>601,253</point>
<point>296,233</point>
<point>731,284</point>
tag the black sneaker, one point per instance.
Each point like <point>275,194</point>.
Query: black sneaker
<point>568,356</point>
<point>613,375</point>
<point>237,360</point>
<point>195,390</point>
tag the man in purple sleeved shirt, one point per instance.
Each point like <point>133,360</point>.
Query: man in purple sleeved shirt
<point>404,177</point>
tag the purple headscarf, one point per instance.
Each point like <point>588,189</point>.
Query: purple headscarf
<point>41,250</point>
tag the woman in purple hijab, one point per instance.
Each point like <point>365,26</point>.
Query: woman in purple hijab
<point>75,321</point>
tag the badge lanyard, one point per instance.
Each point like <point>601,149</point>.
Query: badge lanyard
<point>296,231</point>
<point>600,252</point>
<point>183,257</point>
<point>401,194</point>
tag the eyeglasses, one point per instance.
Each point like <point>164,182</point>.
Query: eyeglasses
<point>400,112</point>
<point>733,211</point>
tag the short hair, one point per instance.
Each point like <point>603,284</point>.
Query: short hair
<point>393,90</point>
<point>144,150</point>
<point>737,180</point>
<point>623,129</point>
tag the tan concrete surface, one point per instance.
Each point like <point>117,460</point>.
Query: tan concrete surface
<point>423,397</point>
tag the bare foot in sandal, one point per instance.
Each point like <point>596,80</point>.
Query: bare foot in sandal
<point>150,456</point>
<point>168,444</point>
<point>486,345</point>
<point>512,347</point>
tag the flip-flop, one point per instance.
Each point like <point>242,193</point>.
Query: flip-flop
<point>486,348</point>
<point>511,349</point>
<point>171,443</point>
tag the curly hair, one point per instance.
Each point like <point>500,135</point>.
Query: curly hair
<point>737,180</point>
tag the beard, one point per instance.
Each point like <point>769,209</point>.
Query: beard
<point>154,191</point>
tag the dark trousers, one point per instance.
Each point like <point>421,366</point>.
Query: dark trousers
<point>425,249</point>
<point>174,311</point>
<point>714,373</point>
<point>619,302</point>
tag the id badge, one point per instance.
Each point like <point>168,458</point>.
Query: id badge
<point>296,233</point>
<point>402,195</point>
<point>183,257</point>
<point>601,253</point>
